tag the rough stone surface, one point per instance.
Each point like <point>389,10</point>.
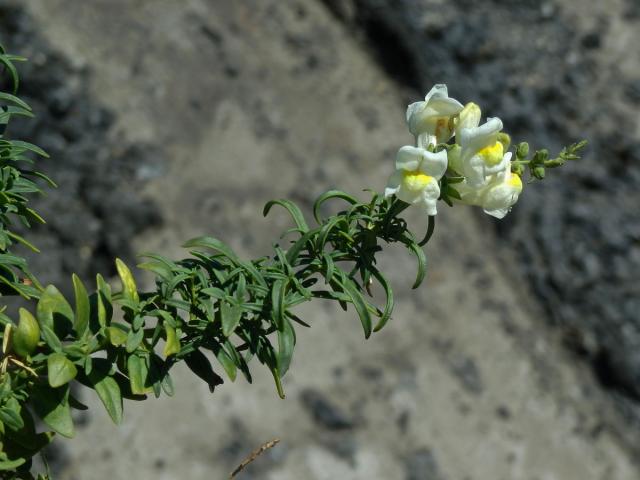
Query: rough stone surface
<point>555,72</point>
<point>96,212</point>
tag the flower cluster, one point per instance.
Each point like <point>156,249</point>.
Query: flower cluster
<point>476,167</point>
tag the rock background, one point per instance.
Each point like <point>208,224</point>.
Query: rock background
<point>555,72</point>
<point>170,120</point>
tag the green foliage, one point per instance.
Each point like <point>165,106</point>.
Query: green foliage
<point>213,310</point>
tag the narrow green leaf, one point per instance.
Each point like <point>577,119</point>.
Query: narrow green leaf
<point>118,334</point>
<point>213,244</point>
<point>10,415</point>
<point>255,273</point>
<point>29,146</point>
<point>129,288</point>
<point>359,303</point>
<point>227,363</point>
<point>286,342</point>
<point>231,316</point>
<point>329,195</point>
<point>60,370</point>
<point>83,309</point>
<point>430,229</point>
<point>292,208</point>
<point>214,292</point>
<point>23,241</point>
<point>386,314</point>
<point>12,98</point>
<point>6,465</point>
<point>109,393</point>
<point>172,345</point>
<point>158,268</point>
<point>329,268</point>
<point>422,262</point>
<point>325,231</point>
<point>138,374</point>
<point>51,339</point>
<point>101,307</point>
<point>13,72</point>
<point>134,339</point>
<point>278,294</point>
<point>167,385</point>
<point>294,251</point>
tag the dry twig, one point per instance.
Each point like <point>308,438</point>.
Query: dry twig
<point>255,454</point>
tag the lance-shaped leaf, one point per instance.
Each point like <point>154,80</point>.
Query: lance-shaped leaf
<point>422,262</point>
<point>328,195</point>
<point>172,344</point>
<point>138,371</point>
<point>107,389</point>
<point>359,303</point>
<point>226,362</point>
<point>286,343</point>
<point>52,406</point>
<point>388,308</point>
<point>278,295</point>
<point>230,316</point>
<point>213,244</point>
<point>83,309</point>
<point>129,289</point>
<point>293,210</point>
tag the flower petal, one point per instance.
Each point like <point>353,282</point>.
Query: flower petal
<point>413,110</point>
<point>499,214</point>
<point>439,90</point>
<point>393,184</point>
<point>474,139</point>
<point>409,158</point>
<point>434,164</point>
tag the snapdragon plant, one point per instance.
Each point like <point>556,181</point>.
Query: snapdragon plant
<point>213,310</point>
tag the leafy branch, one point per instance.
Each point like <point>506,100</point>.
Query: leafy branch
<point>211,306</point>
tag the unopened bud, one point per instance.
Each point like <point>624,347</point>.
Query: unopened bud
<point>469,117</point>
<point>522,150</point>
<point>517,169</point>
<point>556,162</point>
<point>538,172</point>
<point>505,140</point>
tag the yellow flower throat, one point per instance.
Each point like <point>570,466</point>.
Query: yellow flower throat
<point>415,181</point>
<point>492,155</point>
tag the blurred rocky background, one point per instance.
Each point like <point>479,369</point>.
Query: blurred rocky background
<point>517,360</point>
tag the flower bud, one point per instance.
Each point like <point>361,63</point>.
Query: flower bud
<point>469,117</point>
<point>505,140</point>
<point>538,172</point>
<point>517,168</point>
<point>455,159</point>
<point>522,151</point>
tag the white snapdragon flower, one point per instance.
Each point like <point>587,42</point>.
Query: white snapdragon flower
<point>416,177</point>
<point>499,194</point>
<point>431,121</point>
<point>481,154</point>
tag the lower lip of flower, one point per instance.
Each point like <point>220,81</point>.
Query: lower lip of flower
<point>416,181</point>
